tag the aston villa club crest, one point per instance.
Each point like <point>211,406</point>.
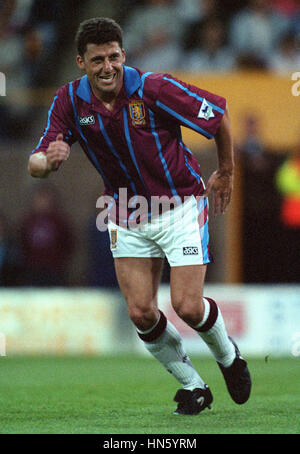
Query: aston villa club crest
<point>137,112</point>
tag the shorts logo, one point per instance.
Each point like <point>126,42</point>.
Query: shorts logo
<point>113,238</point>
<point>137,112</point>
<point>85,121</point>
<point>190,250</point>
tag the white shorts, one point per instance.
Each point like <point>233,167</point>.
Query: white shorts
<point>180,234</point>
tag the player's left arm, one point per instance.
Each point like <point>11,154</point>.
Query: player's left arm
<point>221,181</point>
<point>205,113</point>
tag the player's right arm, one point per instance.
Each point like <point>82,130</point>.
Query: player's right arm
<point>54,145</point>
<point>42,163</point>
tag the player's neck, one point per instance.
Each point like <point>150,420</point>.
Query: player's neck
<point>108,99</point>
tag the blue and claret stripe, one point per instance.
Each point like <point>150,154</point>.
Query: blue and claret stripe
<point>141,89</point>
<point>114,152</point>
<point>48,124</point>
<point>194,95</point>
<point>91,152</point>
<point>161,156</point>
<point>130,146</point>
<point>203,226</point>
<point>184,120</point>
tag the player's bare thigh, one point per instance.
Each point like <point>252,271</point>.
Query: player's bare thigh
<point>187,291</point>
<point>139,279</point>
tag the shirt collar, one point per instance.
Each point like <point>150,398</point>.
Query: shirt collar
<point>84,89</point>
<point>132,81</point>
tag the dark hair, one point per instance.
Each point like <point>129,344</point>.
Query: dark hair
<point>98,30</point>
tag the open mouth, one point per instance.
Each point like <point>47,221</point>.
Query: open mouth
<point>107,78</point>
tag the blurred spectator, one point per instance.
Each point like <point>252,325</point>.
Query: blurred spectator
<point>288,8</point>
<point>254,32</point>
<point>288,184</point>
<point>190,12</point>
<point>42,36</point>
<point>152,33</point>
<point>286,58</point>
<point>259,205</point>
<point>295,28</point>
<point>9,256</point>
<point>163,55</point>
<point>47,240</point>
<point>208,10</point>
<point>287,181</point>
<point>251,149</point>
<point>30,31</point>
<point>226,10</point>
<point>212,53</point>
<point>40,23</point>
<point>13,65</point>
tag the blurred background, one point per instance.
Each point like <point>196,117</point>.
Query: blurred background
<point>53,260</point>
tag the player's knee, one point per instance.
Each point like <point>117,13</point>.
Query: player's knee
<point>189,311</point>
<point>143,317</point>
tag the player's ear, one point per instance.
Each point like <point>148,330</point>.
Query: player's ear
<point>123,55</point>
<point>80,62</point>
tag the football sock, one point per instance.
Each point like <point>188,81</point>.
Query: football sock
<point>213,331</point>
<point>164,342</point>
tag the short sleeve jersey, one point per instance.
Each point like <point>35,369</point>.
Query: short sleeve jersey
<point>137,146</point>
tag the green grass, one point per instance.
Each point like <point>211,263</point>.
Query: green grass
<point>133,395</point>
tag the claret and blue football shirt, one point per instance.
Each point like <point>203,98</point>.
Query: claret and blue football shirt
<point>138,146</point>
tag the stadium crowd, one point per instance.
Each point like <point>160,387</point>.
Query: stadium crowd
<point>211,35</point>
<point>31,35</point>
<point>160,35</point>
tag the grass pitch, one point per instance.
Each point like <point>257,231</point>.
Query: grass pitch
<point>133,395</point>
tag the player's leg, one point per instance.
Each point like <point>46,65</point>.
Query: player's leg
<point>186,247</point>
<point>200,313</point>
<point>139,279</point>
<point>205,317</point>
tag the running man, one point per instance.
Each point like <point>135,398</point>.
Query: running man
<point>128,123</point>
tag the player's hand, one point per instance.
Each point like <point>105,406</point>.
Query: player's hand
<point>221,183</point>
<point>57,152</point>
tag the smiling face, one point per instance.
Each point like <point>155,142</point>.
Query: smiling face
<point>103,65</point>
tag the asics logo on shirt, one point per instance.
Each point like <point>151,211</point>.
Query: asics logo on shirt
<point>89,120</point>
